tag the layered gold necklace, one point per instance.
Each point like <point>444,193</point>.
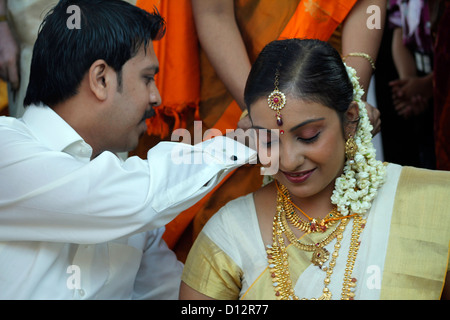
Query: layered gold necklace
<point>277,254</point>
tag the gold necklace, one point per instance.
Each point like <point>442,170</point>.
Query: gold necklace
<point>350,283</point>
<point>320,254</point>
<point>278,257</point>
<point>313,225</point>
<point>306,226</point>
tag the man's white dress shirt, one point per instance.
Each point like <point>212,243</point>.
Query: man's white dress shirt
<point>76,228</point>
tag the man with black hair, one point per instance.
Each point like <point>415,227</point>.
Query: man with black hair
<point>76,221</point>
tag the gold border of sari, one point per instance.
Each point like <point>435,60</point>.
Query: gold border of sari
<point>418,250</point>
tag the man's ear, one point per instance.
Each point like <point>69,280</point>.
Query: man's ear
<point>98,79</point>
<point>351,119</point>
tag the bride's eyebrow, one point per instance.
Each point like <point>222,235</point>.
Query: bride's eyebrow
<point>258,127</point>
<point>304,123</point>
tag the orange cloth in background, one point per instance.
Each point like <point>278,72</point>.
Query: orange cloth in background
<point>178,79</point>
<point>317,19</point>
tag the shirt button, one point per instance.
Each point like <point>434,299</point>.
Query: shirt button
<point>81,292</point>
<point>234,158</point>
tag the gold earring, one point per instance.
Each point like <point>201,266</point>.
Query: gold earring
<point>350,149</point>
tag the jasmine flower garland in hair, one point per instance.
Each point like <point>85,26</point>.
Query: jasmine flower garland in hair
<point>356,188</point>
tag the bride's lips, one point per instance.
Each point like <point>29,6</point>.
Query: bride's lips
<point>298,177</point>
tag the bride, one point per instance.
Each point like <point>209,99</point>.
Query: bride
<point>334,223</point>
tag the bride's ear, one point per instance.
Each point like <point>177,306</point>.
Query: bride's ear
<point>351,119</point>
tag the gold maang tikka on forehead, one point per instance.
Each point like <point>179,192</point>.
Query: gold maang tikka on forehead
<point>277,99</point>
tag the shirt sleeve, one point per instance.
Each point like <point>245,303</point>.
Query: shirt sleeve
<point>47,195</point>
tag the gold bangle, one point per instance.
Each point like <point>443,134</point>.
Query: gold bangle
<point>3,18</point>
<point>244,114</point>
<point>362,55</point>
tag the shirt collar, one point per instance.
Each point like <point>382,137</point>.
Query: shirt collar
<point>54,132</point>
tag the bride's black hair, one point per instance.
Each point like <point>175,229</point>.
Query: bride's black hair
<point>309,69</point>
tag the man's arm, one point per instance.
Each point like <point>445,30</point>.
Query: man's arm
<point>47,195</point>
